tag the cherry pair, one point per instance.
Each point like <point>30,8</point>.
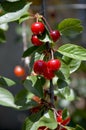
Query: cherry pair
<point>38,28</point>
<point>47,69</point>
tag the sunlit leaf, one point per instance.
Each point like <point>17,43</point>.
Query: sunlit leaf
<point>73,64</point>
<point>9,17</point>
<point>70,27</point>
<point>73,51</point>
<point>66,93</point>
<point>6,82</point>
<point>6,98</point>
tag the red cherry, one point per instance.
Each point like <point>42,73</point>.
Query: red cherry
<point>19,71</point>
<point>55,35</point>
<point>40,66</point>
<point>54,64</point>
<point>37,28</point>
<point>48,74</point>
<point>36,41</point>
<point>66,121</point>
<point>59,119</point>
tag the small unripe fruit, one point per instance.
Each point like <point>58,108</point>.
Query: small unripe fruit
<point>36,41</point>
<point>55,35</point>
<point>40,67</point>
<point>36,99</point>
<point>37,28</point>
<point>19,71</point>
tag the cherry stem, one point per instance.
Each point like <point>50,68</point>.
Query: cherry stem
<point>52,54</point>
<point>49,28</point>
<point>51,92</point>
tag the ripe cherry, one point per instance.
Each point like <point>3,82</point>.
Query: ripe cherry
<point>55,35</point>
<point>19,71</point>
<point>40,67</point>
<point>48,74</point>
<point>66,121</point>
<point>36,41</point>
<point>60,120</point>
<point>54,64</point>
<point>37,28</point>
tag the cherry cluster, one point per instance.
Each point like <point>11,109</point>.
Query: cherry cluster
<point>42,67</point>
<point>48,68</point>
<point>38,28</point>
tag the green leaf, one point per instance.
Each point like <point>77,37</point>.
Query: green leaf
<point>45,37</point>
<point>27,124</point>
<point>13,6</point>
<point>34,49</point>
<point>6,98</point>
<point>69,128</point>
<point>65,114</point>
<point>23,99</point>
<point>9,17</point>
<point>5,82</point>
<point>4,27</point>
<point>70,27</point>
<point>61,83</point>
<point>73,51</point>
<point>35,84</point>
<point>48,120</point>
<point>2,36</point>
<point>64,70</point>
<point>78,128</point>
<point>72,63</point>
<point>66,93</point>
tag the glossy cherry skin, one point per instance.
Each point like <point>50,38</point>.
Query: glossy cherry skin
<point>19,71</point>
<point>55,35</point>
<point>48,74</point>
<point>40,67</point>
<point>36,41</point>
<point>54,64</point>
<point>37,28</point>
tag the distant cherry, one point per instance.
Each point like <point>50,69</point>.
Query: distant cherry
<point>37,28</point>
<point>54,64</point>
<point>36,41</point>
<point>55,35</point>
<point>19,71</point>
<point>40,67</point>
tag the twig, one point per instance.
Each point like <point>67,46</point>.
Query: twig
<point>51,92</point>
